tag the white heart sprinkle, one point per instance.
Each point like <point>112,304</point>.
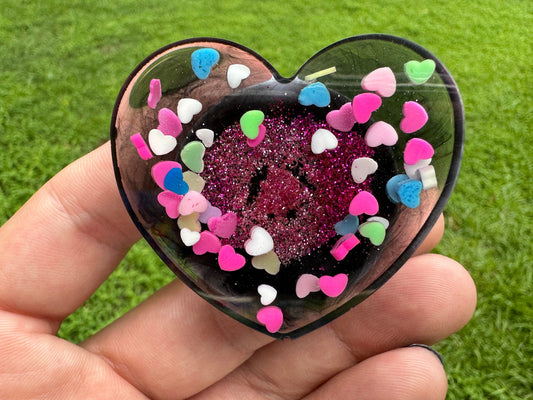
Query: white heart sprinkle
<point>260,242</point>
<point>161,143</point>
<point>427,177</point>
<point>381,220</point>
<point>236,73</point>
<point>189,237</point>
<point>323,140</point>
<point>268,294</point>
<point>362,167</point>
<point>411,170</point>
<point>188,108</point>
<point>206,136</point>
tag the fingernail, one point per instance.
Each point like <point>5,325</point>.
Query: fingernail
<point>425,346</point>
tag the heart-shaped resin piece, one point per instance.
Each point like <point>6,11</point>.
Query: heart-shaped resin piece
<point>317,187</point>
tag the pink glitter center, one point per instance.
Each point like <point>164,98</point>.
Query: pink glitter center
<point>280,185</point>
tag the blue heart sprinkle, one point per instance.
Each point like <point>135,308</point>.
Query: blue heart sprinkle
<point>174,181</point>
<point>392,187</point>
<point>347,225</point>
<point>316,94</point>
<point>409,192</point>
<point>202,61</point>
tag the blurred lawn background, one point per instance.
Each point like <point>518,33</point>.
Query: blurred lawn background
<point>62,64</point>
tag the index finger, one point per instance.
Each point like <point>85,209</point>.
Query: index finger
<point>65,241</point>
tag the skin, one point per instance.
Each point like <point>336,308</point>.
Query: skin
<point>59,247</point>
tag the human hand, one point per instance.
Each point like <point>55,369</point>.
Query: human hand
<point>61,245</point>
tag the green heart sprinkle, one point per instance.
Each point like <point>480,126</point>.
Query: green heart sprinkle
<point>375,231</point>
<point>250,122</point>
<point>192,156</point>
<point>419,72</point>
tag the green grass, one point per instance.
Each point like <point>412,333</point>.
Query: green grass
<point>61,71</point>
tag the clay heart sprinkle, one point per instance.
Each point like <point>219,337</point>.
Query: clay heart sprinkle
<point>192,202</point>
<point>348,225</point>
<point>196,182</point>
<point>141,146</point>
<point>203,60</point>
<point>364,203</point>
<point>268,294</point>
<point>169,123</point>
<point>373,230</point>
<point>362,167</point>
<point>208,243</point>
<point>229,260</point>
<point>188,237</point>
<point>236,73</point>
<point>323,140</point>
<point>302,175</point>
<point>268,262</point>
<point>171,202</point>
<point>206,136</point>
<point>415,117</point>
<point>187,109</point>
<point>341,119</point>
<point>260,242</point>
<point>160,143</point>
<point>175,183</point>
<point>419,72</point>
<point>428,177</point>
<point>364,105</point>
<point>250,122</point>
<point>333,286</point>
<point>382,81</point>
<point>190,222</point>
<point>409,193</point>
<point>271,317</point>
<point>161,169</point>
<point>223,226</point>
<point>306,283</point>
<point>192,156</point>
<point>381,133</point>
<point>417,149</point>
<point>155,93</point>
<point>315,94</point>
<point>343,246</point>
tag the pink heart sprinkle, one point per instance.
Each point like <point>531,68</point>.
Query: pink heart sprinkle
<point>192,202</point>
<point>271,317</point>
<point>160,171</point>
<point>333,286</point>
<point>381,133</point>
<point>255,142</point>
<point>381,80</point>
<point>169,123</point>
<point>364,105</point>
<point>208,243</point>
<point>229,260</point>
<point>155,93</point>
<point>415,117</point>
<point>343,246</point>
<point>211,212</point>
<point>364,203</point>
<point>306,284</point>
<point>171,202</point>
<point>341,119</point>
<point>141,146</point>
<point>223,226</point>
<point>417,149</point>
